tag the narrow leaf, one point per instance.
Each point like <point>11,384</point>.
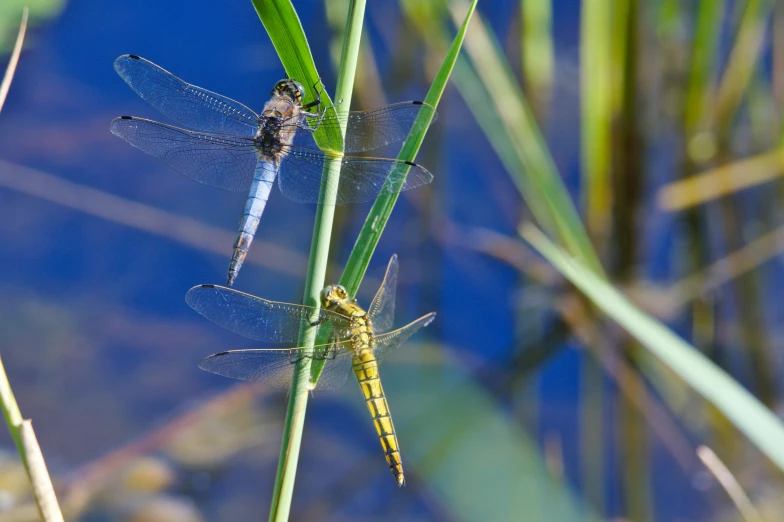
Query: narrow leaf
<point>379,214</point>
<point>5,85</point>
<point>758,423</point>
<point>286,33</point>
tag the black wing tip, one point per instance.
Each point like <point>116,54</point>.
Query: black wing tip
<point>190,295</point>
<point>115,126</point>
<point>213,356</point>
<point>193,288</point>
<point>118,62</point>
<point>205,364</point>
<point>424,104</point>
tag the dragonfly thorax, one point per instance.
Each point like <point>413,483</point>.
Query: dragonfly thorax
<point>336,299</point>
<point>276,128</point>
<point>268,139</point>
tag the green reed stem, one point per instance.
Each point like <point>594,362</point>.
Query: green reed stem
<point>5,84</point>
<point>30,452</point>
<point>13,417</point>
<point>317,267</point>
<point>537,52</point>
<point>597,104</point>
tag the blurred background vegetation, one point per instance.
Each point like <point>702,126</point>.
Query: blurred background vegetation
<point>644,137</point>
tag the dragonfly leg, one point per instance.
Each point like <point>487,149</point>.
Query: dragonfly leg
<point>320,115</point>
<point>324,353</point>
<point>317,101</point>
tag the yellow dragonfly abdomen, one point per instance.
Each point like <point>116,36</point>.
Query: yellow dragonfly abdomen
<point>366,369</point>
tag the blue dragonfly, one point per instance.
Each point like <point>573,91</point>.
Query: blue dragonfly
<point>227,145</point>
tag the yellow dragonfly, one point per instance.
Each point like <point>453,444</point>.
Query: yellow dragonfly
<point>358,339</point>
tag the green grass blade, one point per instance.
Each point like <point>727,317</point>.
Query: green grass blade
<point>703,64</point>
<point>5,85</point>
<point>493,95</point>
<point>540,183</point>
<point>30,452</point>
<point>597,100</point>
<point>760,425</point>
<point>285,31</point>
<point>473,91</point>
<point>11,413</point>
<point>537,51</point>
<point>744,58</point>
<point>596,75</point>
<point>379,214</point>
<point>284,28</point>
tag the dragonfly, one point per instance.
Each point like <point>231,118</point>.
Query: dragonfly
<point>228,146</point>
<point>357,341</point>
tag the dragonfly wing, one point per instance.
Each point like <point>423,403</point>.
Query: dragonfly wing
<point>376,128</point>
<point>276,367</point>
<point>369,130</point>
<point>220,161</point>
<point>260,319</point>
<point>361,179</point>
<point>382,308</point>
<point>188,105</point>
<point>391,340</point>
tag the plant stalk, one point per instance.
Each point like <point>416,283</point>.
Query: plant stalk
<point>5,84</point>
<point>317,267</point>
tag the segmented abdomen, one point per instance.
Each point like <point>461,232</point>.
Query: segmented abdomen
<point>366,368</point>
<point>263,179</point>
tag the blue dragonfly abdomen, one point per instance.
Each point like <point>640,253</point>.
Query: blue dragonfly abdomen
<point>263,179</point>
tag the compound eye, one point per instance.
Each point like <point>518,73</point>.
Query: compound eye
<point>279,87</point>
<point>300,91</point>
<point>328,293</point>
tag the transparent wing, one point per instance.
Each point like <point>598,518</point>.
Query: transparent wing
<point>382,308</point>
<point>188,105</point>
<point>369,130</point>
<point>217,160</point>
<point>391,340</point>
<point>361,179</point>
<point>260,319</point>
<point>275,367</point>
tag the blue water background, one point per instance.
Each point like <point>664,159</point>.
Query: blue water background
<point>108,299</point>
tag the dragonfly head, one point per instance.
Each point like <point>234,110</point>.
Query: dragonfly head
<point>333,296</point>
<point>289,88</point>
